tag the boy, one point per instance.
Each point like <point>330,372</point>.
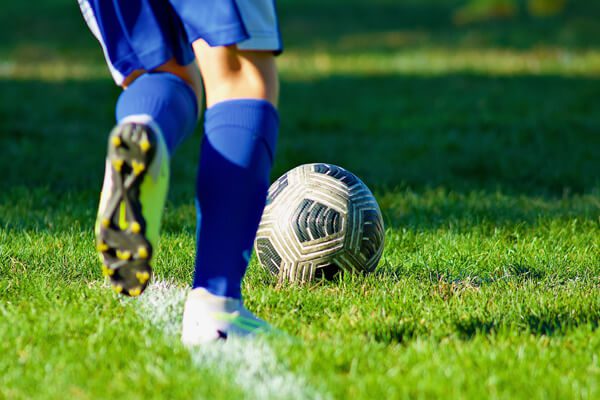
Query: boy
<point>153,49</point>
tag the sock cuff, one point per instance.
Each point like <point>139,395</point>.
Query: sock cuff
<point>167,99</point>
<point>177,81</point>
<point>156,79</point>
<point>257,115</point>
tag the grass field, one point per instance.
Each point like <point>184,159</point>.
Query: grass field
<point>481,143</point>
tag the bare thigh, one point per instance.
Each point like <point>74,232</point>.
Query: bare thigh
<point>229,73</point>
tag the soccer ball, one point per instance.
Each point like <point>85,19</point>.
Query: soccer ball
<point>319,220</point>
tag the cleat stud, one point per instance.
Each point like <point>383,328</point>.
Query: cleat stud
<point>136,227</point>
<point>138,167</point>
<point>117,164</point>
<point>117,288</point>
<point>142,277</point>
<point>105,222</point>
<point>123,255</point>
<point>107,271</point>
<point>135,292</point>
<point>142,252</point>
<point>116,141</point>
<point>144,145</point>
<point>102,247</point>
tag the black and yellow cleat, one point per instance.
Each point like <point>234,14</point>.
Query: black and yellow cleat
<point>131,205</point>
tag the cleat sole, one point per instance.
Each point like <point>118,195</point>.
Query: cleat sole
<point>121,239</point>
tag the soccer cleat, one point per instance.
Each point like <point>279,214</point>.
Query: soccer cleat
<point>131,205</point>
<point>207,318</point>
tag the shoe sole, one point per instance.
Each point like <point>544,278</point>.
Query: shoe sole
<point>121,238</point>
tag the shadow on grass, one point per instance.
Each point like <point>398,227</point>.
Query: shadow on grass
<point>446,284</point>
<point>463,132</point>
<point>484,141</point>
<point>467,327</point>
<point>549,323</point>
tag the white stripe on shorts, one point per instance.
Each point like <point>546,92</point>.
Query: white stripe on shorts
<point>92,23</point>
<point>260,20</point>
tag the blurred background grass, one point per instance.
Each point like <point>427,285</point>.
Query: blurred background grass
<point>397,91</point>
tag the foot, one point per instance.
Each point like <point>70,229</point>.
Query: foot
<point>208,318</point>
<point>131,205</point>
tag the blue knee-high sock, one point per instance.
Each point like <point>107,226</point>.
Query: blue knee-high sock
<point>167,99</point>
<point>232,183</point>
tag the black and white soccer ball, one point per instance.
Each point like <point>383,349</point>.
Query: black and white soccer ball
<point>319,220</point>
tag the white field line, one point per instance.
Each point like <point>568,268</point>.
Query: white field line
<point>251,364</point>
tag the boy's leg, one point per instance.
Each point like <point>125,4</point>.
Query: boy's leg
<point>241,128</point>
<point>155,112</point>
<point>148,53</point>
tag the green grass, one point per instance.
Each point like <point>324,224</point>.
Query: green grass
<point>480,142</point>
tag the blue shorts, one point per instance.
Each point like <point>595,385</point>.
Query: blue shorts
<point>144,34</point>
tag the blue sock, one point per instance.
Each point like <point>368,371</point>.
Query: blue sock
<point>232,183</point>
<point>167,99</point>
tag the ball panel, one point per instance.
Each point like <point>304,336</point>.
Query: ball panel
<point>267,255</point>
<point>336,172</point>
<point>324,189</point>
<point>313,220</point>
<point>276,188</point>
<point>372,233</point>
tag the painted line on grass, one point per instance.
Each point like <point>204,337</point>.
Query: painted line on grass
<point>252,364</point>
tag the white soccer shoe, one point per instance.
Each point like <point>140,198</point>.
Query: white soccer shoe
<point>207,318</point>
